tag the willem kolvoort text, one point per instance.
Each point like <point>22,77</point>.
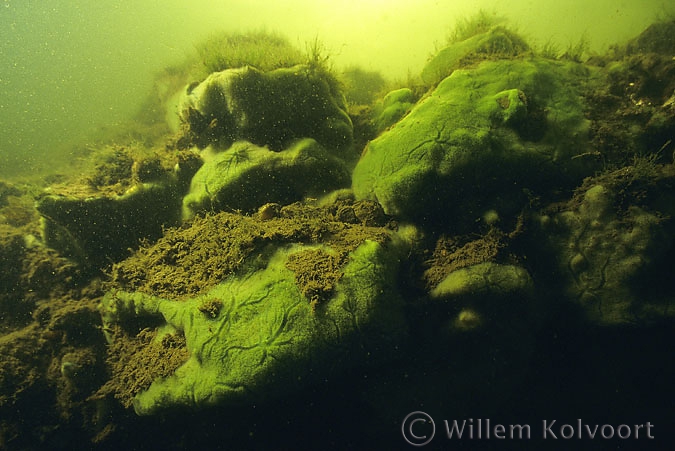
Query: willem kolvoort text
<point>548,429</point>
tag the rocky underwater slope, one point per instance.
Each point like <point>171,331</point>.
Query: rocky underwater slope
<point>493,240</point>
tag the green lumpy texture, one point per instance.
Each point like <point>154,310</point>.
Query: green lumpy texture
<point>246,176</point>
<point>483,135</point>
<point>267,339</point>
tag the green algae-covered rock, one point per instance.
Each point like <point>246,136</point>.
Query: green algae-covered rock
<point>611,256</point>
<point>480,140</point>
<point>246,176</point>
<point>484,279</point>
<point>266,338</point>
<point>394,106</point>
<point>497,42</point>
<point>488,293</point>
<point>95,230</point>
<point>267,108</point>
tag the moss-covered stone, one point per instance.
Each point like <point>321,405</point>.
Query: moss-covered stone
<point>493,43</point>
<point>613,244</point>
<point>96,231</point>
<point>123,195</point>
<point>481,139</point>
<point>658,38</point>
<point>245,177</point>
<point>268,109</point>
<point>488,293</point>
<point>267,338</point>
<point>485,279</point>
<point>394,106</point>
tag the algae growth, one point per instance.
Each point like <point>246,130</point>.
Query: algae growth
<point>290,248</point>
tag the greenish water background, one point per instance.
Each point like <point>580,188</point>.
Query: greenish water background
<point>73,68</point>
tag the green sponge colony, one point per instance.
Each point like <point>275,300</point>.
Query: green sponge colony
<point>266,108</point>
<point>245,177</point>
<point>480,139</point>
<point>256,334</point>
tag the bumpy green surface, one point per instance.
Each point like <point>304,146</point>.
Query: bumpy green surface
<point>498,42</point>
<point>488,295</point>
<point>266,340</point>
<point>484,279</point>
<point>394,106</point>
<point>478,140</point>
<point>246,176</point>
<point>607,255</point>
<point>97,230</point>
<point>268,109</point>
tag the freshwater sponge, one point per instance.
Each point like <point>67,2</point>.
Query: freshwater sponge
<point>256,334</point>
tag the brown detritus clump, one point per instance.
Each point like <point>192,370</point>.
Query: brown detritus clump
<point>6,190</point>
<point>136,361</point>
<point>637,184</point>
<point>76,374</point>
<point>17,207</point>
<point>190,259</point>
<point>316,273</point>
<point>365,212</point>
<point>269,211</point>
<point>28,273</point>
<point>211,307</point>
<point>147,169</point>
<point>114,170</point>
<point>504,102</point>
<point>453,253</point>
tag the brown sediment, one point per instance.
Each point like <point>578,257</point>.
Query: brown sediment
<point>316,272</point>
<point>190,259</point>
<point>456,252</point>
<point>136,360</point>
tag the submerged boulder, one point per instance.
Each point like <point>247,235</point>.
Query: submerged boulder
<point>394,106</point>
<point>489,293</point>
<point>495,42</point>
<point>484,279</point>
<point>657,38</point>
<point>483,139</point>
<point>614,245</point>
<point>245,177</point>
<point>98,230</point>
<point>267,108</point>
<point>97,217</point>
<point>265,332</point>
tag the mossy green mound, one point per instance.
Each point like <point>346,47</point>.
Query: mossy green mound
<point>245,177</point>
<point>484,279</point>
<point>613,243</point>
<point>481,139</point>
<point>256,335</point>
<point>493,43</point>
<point>394,106</point>
<point>267,108</point>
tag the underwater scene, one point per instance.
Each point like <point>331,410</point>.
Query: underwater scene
<point>348,224</point>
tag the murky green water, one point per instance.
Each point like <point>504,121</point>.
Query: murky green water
<point>74,70</point>
<point>244,224</point>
